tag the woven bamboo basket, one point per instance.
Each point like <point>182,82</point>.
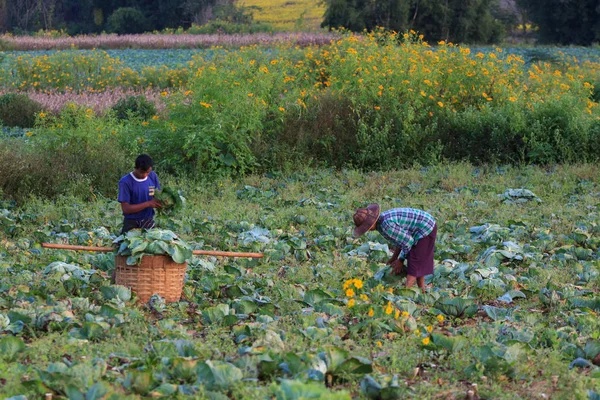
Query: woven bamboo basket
<point>154,275</point>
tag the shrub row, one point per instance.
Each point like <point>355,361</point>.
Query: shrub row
<point>364,102</point>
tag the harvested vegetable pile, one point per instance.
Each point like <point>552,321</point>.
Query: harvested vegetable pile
<point>137,243</point>
<point>171,200</point>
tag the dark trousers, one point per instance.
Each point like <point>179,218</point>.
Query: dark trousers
<point>129,224</point>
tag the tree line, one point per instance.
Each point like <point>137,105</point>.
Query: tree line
<point>473,21</point>
<point>94,16</point>
<point>460,21</point>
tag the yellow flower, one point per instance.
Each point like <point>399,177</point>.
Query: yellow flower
<point>371,312</point>
<point>379,344</point>
<point>439,103</point>
<point>145,123</point>
<point>350,293</point>
<point>164,94</point>
<point>364,297</point>
<point>397,314</point>
<point>440,318</point>
<point>155,117</point>
<point>205,105</point>
<point>250,94</point>
<point>29,134</point>
<point>351,303</point>
<point>405,314</point>
<point>417,332</point>
<point>281,109</point>
<point>42,115</point>
<point>358,284</point>
<point>348,283</point>
<point>389,309</point>
<point>88,111</point>
<point>429,328</point>
<point>425,341</point>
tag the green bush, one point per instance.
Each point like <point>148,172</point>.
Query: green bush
<point>596,92</point>
<point>72,154</point>
<point>78,168</point>
<point>18,110</point>
<point>134,107</point>
<point>127,20</point>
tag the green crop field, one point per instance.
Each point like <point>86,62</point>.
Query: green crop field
<point>288,14</point>
<point>273,147</point>
<point>512,312</point>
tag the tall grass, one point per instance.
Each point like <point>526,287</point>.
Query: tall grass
<point>159,41</point>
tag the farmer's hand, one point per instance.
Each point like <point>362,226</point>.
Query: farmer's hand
<point>397,267</point>
<point>155,203</point>
<point>394,256</point>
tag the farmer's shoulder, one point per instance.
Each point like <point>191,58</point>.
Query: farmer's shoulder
<point>153,177</point>
<point>126,179</point>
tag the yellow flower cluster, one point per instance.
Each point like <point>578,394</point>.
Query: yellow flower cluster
<point>349,287</point>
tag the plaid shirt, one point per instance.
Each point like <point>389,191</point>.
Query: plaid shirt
<point>403,227</point>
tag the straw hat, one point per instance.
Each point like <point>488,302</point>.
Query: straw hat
<point>365,219</point>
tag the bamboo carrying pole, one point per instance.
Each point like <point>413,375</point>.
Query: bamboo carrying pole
<point>215,253</point>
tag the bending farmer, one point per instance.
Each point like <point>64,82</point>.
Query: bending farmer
<point>412,234</point>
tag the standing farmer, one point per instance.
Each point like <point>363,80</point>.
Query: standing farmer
<point>412,233</point>
<point>136,195</point>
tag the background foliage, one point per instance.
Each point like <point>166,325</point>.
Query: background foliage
<point>375,102</point>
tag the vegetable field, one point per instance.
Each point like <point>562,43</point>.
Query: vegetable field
<point>512,311</point>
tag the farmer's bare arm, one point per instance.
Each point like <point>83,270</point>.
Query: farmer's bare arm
<point>395,255</point>
<point>133,208</point>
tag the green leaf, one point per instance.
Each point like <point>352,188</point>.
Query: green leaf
<point>185,369</point>
<point>449,343</point>
<point>214,315</point>
<point>315,296</point>
<point>296,390</point>
<point>498,314</point>
<point>217,375</point>
<point>334,357</point>
<point>457,307</point>
<point>116,292</point>
<point>166,389</point>
<point>10,346</point>
<point>592,350</point>
<point>98,391</point>
<point>139,382</point>
<point>225,374</point>
<point>245,307</point>
<point>354,365</point>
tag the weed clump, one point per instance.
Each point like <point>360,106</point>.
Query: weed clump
<point>18,110</point>
<point>134,107</point>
